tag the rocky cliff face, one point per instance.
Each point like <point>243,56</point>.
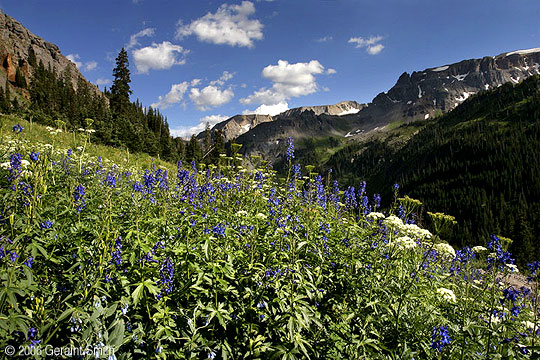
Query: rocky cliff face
<point>15,42</point>
<point>415,96</point>
<point>340,109</point>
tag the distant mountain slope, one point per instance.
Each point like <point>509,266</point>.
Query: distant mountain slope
<point>420,95</point>
<point>480,163</point>
<point>240,124</point>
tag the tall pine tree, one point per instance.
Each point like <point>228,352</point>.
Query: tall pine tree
<point>120,90</point>
<point>119,99</point>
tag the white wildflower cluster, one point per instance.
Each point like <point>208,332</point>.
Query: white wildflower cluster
<point>393,222</point>
<point>416,232</point>
<point>261,216</point>
<point>513,268</point>
<point>479,249</point>
<point>405,242</point>
<point>53,131</point>
<point>444,249</point>
<point>242,213</point>
<point>375,216</point>
<point>447,294</point>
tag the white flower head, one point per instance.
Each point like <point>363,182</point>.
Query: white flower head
<point>393,222</point>
<point>375,215</point>
<point>479,249</point>
<point>447,294</point>
<point>406,242</point>
<point>445,249</point>
<point>242,213</point>
<point>513,268</point>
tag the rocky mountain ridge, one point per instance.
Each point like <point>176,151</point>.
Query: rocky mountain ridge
<point>241,124</point>
<point>415,96</point>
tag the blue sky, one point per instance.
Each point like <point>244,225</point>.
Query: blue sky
<point>204,61</point>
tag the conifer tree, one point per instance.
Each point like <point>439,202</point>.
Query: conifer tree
<point>32,61</point>
<point>7,98</point>
<point>120,89</point>
<point>2,101</point>
<point>20,80</point>
<point>193,150</point>
<point>219,146</point>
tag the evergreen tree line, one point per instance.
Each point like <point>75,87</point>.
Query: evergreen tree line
<point>479,163</point>
<point>55,101</point>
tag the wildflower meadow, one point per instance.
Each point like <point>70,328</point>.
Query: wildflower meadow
<point>229,261</point>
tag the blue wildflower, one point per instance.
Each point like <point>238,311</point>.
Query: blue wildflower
<point>290,149</point>
<point>15,161</point>
<point>501,257</point>
<point>17,128</point>
<point>440,338</point>
<point>13,256</point>
<point>116,252</point>
<point>377,200</point>
<point>46,225</point>
<point>166,273</point>
<point>34,156</point>
<point>78,197</point>
<point>29,262</point>
<point>350,198</point>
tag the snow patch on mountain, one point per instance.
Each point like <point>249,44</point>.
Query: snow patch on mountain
<point>441,68</point>
<point>524,52</point>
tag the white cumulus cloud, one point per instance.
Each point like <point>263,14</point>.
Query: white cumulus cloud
<point>187,131</point>
<point>226,76</point>
<point>204,99</point>
<point>134,39</point>
<point>230,25</point>
<point>91,65</point>
<point>159,57</point>
<point>289,80</point>
<point>102,81</point>
<point>331,71</point>
<point>210,96</point>
<point>372,44</point>
<point>325,39</point>
<point>175,95</point>
<point>269,109</point>
<point>73,58</point>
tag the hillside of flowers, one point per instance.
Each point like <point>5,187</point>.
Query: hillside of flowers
<point>231,262</point>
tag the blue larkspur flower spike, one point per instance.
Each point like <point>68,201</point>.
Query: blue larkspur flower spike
<point>290,149</point>
<point>501,257</point>
<point>34,156</point>
<point>78,197</point>
<point>166,273</point>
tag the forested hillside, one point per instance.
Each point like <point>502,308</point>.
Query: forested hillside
<point>50,98</point>
<point>480,163</point>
